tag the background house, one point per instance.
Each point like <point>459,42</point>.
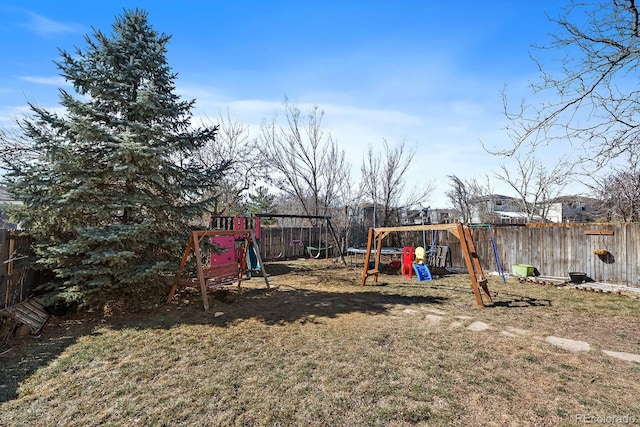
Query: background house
<point>5,199</point>
<point>432,216</point>
<point>498,209</point>
<point>575,209</point>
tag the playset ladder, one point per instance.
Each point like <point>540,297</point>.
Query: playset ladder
<point>478,280</point>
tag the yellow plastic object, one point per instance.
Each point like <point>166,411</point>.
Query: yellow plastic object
<point>420,255</point>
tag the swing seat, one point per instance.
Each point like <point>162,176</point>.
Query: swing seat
<point>319,249</point>
<point>221,275</point>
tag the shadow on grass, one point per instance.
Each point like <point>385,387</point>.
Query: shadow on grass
<point>289,304</point>
<point>32,352</point>
<point>308,293</point>
<point>520,301</point>
<point>276,306</point>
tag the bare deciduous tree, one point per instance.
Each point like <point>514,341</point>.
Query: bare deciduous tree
<point>459,196</point>
<point>619,192</point>
<point>384,181</point>
<point>14,146</point>
<point>591,101</point>
<point>535,184</point>
<point>469,197</point>
<point>234,145</point>
<point>303,160</point>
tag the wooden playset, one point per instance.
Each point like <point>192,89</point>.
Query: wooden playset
<point>459,230</point>
<point>235,257</point>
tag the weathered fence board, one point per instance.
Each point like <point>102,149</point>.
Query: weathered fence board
<point>16,278</point>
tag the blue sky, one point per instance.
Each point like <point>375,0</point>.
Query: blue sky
<point>428,72</point>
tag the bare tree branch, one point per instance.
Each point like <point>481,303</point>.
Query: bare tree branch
<point>535,184</point>
<point>468,197</point>
<point>384,180</point>
<point>304,161</point>
<point>233,145</point>
<point>619,192</point>
<point>590,101</point>
<point>15,147</point>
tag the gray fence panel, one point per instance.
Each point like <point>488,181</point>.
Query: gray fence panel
<point>556,249</point>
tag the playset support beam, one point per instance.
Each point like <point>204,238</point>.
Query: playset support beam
<point>459,230</point>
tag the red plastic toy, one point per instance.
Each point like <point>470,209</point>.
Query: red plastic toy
<point>407,262</point>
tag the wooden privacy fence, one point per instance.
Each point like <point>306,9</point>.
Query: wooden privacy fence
<point>606,252</point>
<point>16,278</point>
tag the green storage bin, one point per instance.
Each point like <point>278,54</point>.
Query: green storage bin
<point>522,270</point>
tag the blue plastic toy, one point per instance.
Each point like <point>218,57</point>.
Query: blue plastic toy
<point>422,271</point>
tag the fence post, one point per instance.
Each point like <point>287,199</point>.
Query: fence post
<point>4,256</point>
<point>4,252</point>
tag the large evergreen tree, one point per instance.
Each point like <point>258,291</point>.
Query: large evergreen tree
<point>112,190</point>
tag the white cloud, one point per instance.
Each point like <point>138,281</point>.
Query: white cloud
<point>51,81</point>
<point>47,27</point>
<point>446,137</point>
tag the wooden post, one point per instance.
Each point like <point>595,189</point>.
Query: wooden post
<point>473,264</point>
<point>4,256</point>
<point>367,258</point>
<point>335,239</point>
<point>380,238</point>
<point>199,266</point>
<point>11,280</point>
<point>183,262</point>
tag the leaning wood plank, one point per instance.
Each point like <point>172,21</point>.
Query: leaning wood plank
<point>27,315</point>
<point>21,312</point>
<point>36,307</point>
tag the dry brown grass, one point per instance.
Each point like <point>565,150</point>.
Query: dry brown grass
<point>321,350</point>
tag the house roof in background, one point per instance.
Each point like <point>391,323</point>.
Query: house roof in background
<point>4,195</point>
<point>491,198</point>
<point>573,199</point>
<point>518,215</point>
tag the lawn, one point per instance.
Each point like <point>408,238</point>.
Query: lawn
<point>321,350</point>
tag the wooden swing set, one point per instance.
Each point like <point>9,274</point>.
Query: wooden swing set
<point>459,230</point>
<point>210,275</point>
<point>310,248</point>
